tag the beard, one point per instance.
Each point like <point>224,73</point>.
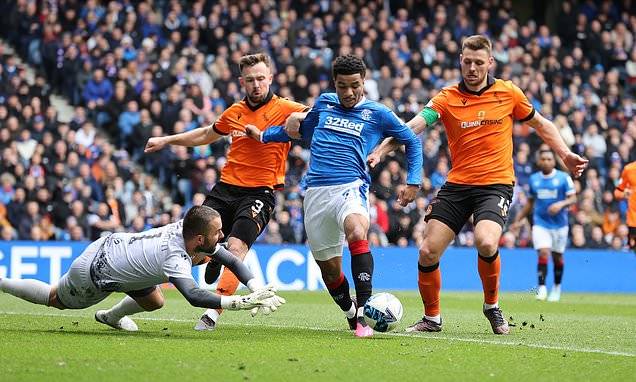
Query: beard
<point>256,99</point>
<point>207,247</point>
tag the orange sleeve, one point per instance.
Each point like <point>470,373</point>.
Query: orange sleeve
<point>222,125</point>
<point>623,184</point>
<point>523,109</point>
<point>291,106</point>
<point>439,102</point>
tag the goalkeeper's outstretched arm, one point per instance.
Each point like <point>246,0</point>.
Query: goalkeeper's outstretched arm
<point>205,299</point>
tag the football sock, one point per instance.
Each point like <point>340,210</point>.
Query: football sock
<point>362,270</point>
<point>339,291</point>
<point>213,314</point>
<point>429,281</point>
<point>489,269</point>
<point>228,284</point>
<point>490,306</point>
<point>125,307</point>
<point>437,319</point>
<point>558,267</point>
<point>34,291</point>
<point>542,269</point>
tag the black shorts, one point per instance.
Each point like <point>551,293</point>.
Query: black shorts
<point>632,238</point>
<point>245,211</point>
<point>454,204</point>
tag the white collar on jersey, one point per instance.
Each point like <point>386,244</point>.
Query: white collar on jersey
<point>362,100</point>
<point>550,175</point>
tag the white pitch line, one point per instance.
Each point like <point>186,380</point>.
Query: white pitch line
<point>313,328</point>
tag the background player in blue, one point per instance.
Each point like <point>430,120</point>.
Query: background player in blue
<point>343,128</point>
<point>551,192</point>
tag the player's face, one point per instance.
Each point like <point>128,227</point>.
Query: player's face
<point>256,81</point>
<point>214,235</point>
<point>546,163</point>
<point>475,65</point>
<point>350,89</point>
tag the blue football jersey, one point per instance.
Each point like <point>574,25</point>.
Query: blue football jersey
<point>548,189</point>
<point>341,138</point>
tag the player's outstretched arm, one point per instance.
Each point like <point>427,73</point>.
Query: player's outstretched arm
<point>417,124</point>
<point>205,299</point>
<point>197,137</point>
<point>550,135</point>
<point>272,134</point>
<point>292,125</point>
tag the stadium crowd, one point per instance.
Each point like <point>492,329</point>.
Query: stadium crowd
<point>133,70</point>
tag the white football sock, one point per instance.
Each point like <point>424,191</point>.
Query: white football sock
<point>351,312</point>
<point>34,291</point>
<point>125,307</point>
<point>213,314</point>
<point>490,306</point>
<point>436,319</point>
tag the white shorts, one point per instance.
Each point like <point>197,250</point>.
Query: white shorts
<point>325,211</point>
<point>76,289</point>
<point>554,239</point>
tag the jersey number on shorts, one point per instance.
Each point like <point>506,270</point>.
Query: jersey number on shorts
<point>504,204</point>
<point>257,207</point>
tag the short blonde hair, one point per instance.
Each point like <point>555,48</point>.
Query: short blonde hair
<point>477,42</point>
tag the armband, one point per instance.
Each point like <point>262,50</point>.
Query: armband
<point>429,115</point>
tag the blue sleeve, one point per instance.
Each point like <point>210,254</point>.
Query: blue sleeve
<point>531,191</point>
<point>394,127</point>
<point>569,185</point>
<point>307,126</point>
<point>275,134</point>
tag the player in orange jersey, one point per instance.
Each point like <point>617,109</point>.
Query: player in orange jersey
<point>626,189</point>
<point>245,194</point>
<point>478,116</point>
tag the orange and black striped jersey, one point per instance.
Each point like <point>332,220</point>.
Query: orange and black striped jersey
<point>249,162</point>
<point>628,181</point>
<point>479,130</point>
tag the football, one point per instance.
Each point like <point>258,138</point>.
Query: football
<point>382,312</point>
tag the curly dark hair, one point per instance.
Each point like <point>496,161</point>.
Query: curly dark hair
<point>348,64</point>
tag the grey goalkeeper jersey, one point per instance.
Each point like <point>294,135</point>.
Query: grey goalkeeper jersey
<point>133,261</point>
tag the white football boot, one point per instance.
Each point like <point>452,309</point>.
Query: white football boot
<point>555,294</point>
<point>125,323</point>
<point>542,293</point>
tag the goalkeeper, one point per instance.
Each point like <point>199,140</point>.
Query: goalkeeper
<point>136,263</point>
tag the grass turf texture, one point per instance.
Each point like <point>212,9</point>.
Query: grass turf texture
<point>584,337</point>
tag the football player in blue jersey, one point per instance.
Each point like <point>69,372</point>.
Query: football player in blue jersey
<point>551,193</point>
<point>343,128</point>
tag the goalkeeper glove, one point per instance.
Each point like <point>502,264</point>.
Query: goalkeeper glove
<point>269,305</point>
<point>252,300</point>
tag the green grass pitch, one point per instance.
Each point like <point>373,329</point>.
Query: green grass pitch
<point>584,337</point>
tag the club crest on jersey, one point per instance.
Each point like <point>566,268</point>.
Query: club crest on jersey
<point>366,114</point>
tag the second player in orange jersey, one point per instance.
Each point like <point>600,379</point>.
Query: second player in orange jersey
<point>478,116</point>
<point>626,189</point>
<point>245,195</point>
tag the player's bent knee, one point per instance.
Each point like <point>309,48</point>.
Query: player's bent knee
<point>54,301</point>
<point>487,246</point>
<point>428,256</point>
<point>244,233</point>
